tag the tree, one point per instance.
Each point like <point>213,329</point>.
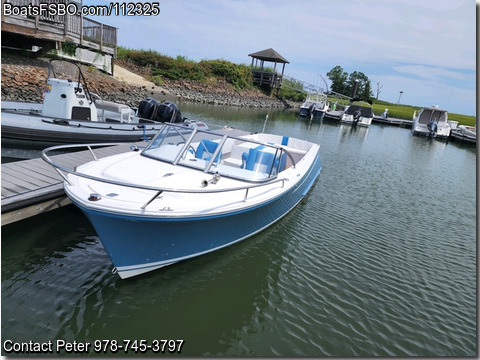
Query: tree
<point>343,83</point>
<point>364,89</point>
<point>338,77</point>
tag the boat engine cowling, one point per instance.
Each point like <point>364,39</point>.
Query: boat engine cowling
<point>356,116</point>
<point>167,111</point>
<point>432,126</point>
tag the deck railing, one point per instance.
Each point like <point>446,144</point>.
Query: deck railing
<point>75,28</point>
<point>269,78</point>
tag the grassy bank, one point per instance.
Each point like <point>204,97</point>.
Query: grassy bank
<point>162,66</point>
<point>240,77</point>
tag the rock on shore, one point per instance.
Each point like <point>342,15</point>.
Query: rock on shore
<point>24,79</point>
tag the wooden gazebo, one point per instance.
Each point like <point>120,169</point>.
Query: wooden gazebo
<point>263,77</point>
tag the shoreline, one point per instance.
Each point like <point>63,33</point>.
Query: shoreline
<point>24,79</point>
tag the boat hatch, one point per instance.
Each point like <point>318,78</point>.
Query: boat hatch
<point>243,158</point>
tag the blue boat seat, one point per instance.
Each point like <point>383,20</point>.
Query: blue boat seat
<point>283,162</point>
<point>205,150</point>
<point>257,157</point>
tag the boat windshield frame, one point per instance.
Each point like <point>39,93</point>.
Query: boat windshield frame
<point>72,71</point>
<point>242,158</point>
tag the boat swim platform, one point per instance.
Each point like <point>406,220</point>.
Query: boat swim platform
<point>32,187</point>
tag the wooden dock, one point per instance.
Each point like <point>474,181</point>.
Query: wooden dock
<point>393,121</point>
<point>32,187</point>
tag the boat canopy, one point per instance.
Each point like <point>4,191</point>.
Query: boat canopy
<point>366,111</point>
<point>247,158</point>
<point>432,114</point>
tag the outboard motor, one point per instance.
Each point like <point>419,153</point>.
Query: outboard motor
<point>151,109</point>
<point>432,127</point>
<point>168,112</point>
<point>147,107</point>
<point>356,116</point>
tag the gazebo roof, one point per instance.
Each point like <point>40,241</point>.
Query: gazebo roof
<point>269,55</point>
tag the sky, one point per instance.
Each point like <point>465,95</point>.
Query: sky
<point>426,49</point>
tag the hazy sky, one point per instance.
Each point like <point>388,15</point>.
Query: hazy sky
<point>427,49</point>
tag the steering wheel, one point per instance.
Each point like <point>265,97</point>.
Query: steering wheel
<point>189,147</point>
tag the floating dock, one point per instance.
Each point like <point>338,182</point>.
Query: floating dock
<point>458,135</point>
<point>337,115</point>
<point>393,121</point>
<point>31,187</point>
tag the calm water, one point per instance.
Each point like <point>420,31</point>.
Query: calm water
<point>378,259</point>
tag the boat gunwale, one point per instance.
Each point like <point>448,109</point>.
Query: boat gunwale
<point>137,186</point>
<point>60,169</point>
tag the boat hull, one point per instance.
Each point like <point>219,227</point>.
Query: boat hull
<point>36,131</point>
<point>318,114</point>
<point>348,119</point>
<point>304,112</point>
<point>139,244</point>
<point>423,131</point>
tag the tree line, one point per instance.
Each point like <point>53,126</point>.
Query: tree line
<point>343,83</point>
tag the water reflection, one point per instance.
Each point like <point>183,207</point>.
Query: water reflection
<point>378,259</point>
<point>57,284</point>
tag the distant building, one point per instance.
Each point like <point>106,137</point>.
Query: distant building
<point>263,76</point>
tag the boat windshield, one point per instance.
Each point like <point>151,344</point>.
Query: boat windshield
<point>243,158</point>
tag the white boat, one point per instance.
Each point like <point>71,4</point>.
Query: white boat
<point>70,114</point>
<point>431,121</point>
<point>189,192</point>
<point>357,114</point>
<point>465,133</point>
<point>314,106</point>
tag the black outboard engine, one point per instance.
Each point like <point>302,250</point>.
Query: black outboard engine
<point>432,127</point>
<point>146,108</point>
<point>168,112</point>
<point>151,109</point>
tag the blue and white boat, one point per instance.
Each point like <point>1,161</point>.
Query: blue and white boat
<point>189,192</point>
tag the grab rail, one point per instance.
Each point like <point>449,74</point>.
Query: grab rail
<point>158,190</point>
